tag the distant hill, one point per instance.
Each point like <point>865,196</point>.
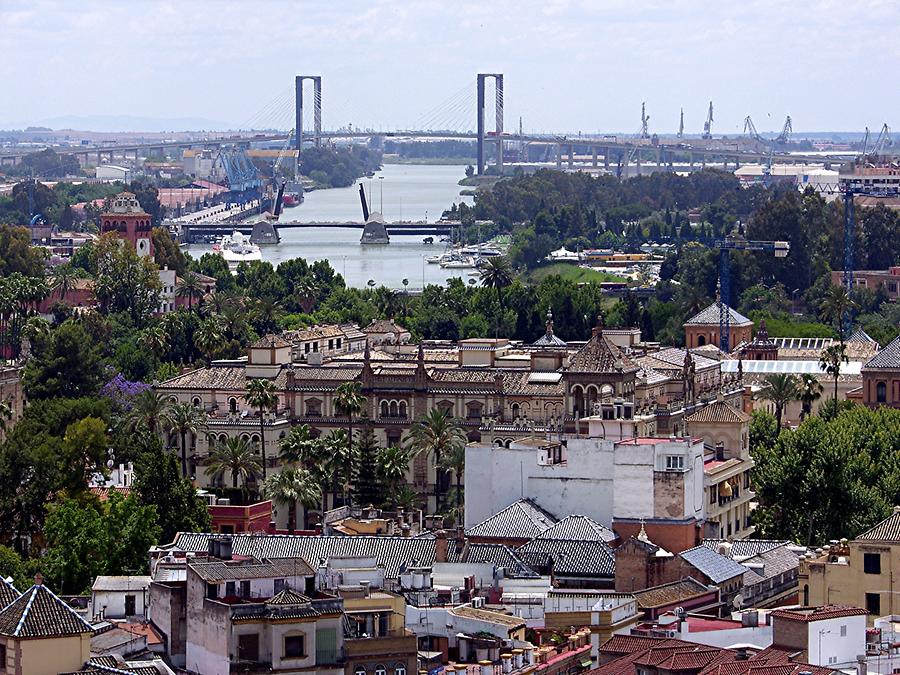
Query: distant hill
<point>122,123</point>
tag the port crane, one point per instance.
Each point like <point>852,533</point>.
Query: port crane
<point>725,246</point>
<point>707,125</point>
<point>750,128</point>
<point>786,131</point>
<point>681,125</point>
<point>645,122</point>
<point>883,141</point>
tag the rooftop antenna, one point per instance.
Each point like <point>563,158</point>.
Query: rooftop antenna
<point>645,122</point>
<point>681,125</point>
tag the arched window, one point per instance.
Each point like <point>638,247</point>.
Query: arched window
<point>173,399</point>
<point>393,408</point>
<point>384,408</point>
<point>196,401</point>
<point>399,669</point>
<point>403,409</point>
<point>514,410</point>
<point>881,392</point>
<point>701,340</point>
<point>380,670</point>
<point>232,405</point>
<point>254,441</point>
<point>578,401</point>
<point>473,410</point>
<point>360,671</point>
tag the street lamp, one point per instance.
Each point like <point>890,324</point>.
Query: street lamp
<point>822,632</point>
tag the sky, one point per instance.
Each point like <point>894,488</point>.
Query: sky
<point>568,66</point>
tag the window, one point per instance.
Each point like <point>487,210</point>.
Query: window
<point>674,463</point>
<point>881,393</point>
<point>872,563</point>
<point>844,630</point>
<point>212,591</point>
<point>713,495</point>
<point>873,603</point>
<point>229,588</point>
<point>3,657</point>
<point>232,405</point>
<point>294,646</point>
<point>130,605</point>
<point>380,670</point>
<point>196,401</point>
<point>360,670</point>
<point>279,586</point>
<point>248,647</point>
<point>399,669</point>
<point>245,588</point>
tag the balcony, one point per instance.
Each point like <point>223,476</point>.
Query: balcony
<point>388,642</point>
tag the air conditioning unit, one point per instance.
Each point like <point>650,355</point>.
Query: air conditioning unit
<point>478,602</point>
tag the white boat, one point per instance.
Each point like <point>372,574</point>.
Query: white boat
<point>433,259</point>
<point>237,248</point>
<point>484,250</point>
<point>458,262</point>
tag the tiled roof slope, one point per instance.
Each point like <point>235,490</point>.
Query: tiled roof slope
<point>216,571</point>
<point>718,412</point>
<point>600,355</point>
<point>522,519</point>
<point>775,562</point>
<point>710,316</point>
<point>575,558</point>
<point>8,593</point>
<point>39,613</point>
<point>715,566</point>
<point>676,591</point>
<point>578,527</point>
<point>745,548</point>
<point>887,358</point>
<point>887,530</point>
<point>392,552</point>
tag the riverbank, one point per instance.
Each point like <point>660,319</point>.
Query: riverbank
<point>570,272</point>
<point>427,161</point>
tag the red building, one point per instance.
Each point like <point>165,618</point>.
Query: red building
<point>126,217</point>
<point>229,519</point>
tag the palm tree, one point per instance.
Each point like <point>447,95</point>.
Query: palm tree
<point>455,461</point>
<point>836,306</point>
<point>349,401</point>
<point>156,339</point>
<point>150,411</point>
<point>190,287</point>
<point>208,338</point>
<point>498,274</point>
<point>64,278</point>
<point>780,389</point>
<point>186,419</point>
<point>809,391</point>
<point>262,395</point>
<point>234,455</point>
<point>436,434</point>
<point>393,465</point>
<point>295,448</point>
<point>830,362</point>
<point>307,292</point>
<point>292,485</point>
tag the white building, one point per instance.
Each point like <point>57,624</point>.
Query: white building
<point>119,597</point>
<point>607,475</point>
<point>831,636</point>
<point>113,172</point>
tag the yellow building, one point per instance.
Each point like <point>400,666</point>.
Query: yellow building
<point>858,573</point>
<point>41,635</point>
<point>376,639</point>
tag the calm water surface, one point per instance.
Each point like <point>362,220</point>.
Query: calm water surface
<point>408,192</point>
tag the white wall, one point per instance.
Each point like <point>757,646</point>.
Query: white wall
<point>111,604</point>
<point>837,649</point>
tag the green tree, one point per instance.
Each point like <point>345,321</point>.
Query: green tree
<point>68,365</point>
<point>125,281</point>
<point>17,254</point>
<point>350,402</point>
<point>64,278</point>
<point>209,338</point>
<point>262,395</point>
<point>393,465</point>
<point>436,434</point>
<point>234,456</point>
<point>190,287</point>
<point>830,361</point>
<point>367,491</point>
<point>809,391</point>
<point>150,411</point>
<point>158,482</point>
<point>779,389</point>
<point>186,419</point>
<point>290,486</point>
<point>497,274</point>
<point>85,444</point>
<point>166,252</point>
<point>836,308</point>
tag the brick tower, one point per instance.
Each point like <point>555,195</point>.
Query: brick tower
<point>126,217</point>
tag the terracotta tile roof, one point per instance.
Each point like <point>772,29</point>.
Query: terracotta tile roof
<point>314,333</point>
<point>710,316</point>
<point>600,355</point>
<point>488,616</point>
<point>104,492</point>
<point>288,597</point>
<point>716,567</point>
<point>809,614</point>
<point>38,612</point>
<point>629,644</point>
<point>666,594</point>
<point>888,358</point>
<point>577,527</point>
<point>384,326</point>
<point>521,383</point>
<point>269,342</point>
<point>718,411</point>
<point>887,530</point>
<point>522,519</point>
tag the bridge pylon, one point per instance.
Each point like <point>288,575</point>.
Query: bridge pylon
<point>498,111</point>
<point>298,109</point>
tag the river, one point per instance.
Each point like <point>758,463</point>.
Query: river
<point>408,192</point>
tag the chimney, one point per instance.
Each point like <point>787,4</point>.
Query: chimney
<point>861,668</point>
<point>38,579</point>
<point>742,654</point>
<point>440,546</point>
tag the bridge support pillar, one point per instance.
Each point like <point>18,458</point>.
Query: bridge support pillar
<point>559,155</point>
<point>658,157</point>
<point>571,155</point>
<point>479,115</point>
<point>298,112</point>
<point>594,156</point>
